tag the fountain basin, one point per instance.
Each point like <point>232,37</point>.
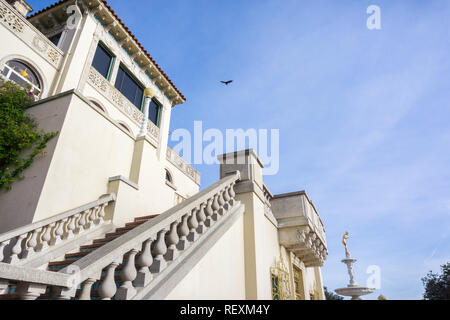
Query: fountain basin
<point>354,291</point>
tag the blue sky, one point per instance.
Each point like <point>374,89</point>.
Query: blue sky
<point>364,116</point>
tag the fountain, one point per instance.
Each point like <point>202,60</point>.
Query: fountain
<point>353,289</point>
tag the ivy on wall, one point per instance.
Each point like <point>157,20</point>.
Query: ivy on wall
<point>20,138</point>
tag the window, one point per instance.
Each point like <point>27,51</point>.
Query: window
<point>154,112</point>
<point>129,87</point>
<point>103,61</point>
<point>99,106</point>
<point>123,125</point>
<point>22,74</point>
<point>55,39</point>
<point>168,176</point>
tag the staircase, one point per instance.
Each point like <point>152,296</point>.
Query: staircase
<point>145,259</point>
<point>97,243</point>
<point>69,258</point>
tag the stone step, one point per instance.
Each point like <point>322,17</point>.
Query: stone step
<point>97,243</point>
<point>145,217</point>
<point>136,223</point>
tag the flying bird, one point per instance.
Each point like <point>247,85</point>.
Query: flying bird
<point>227,82</point>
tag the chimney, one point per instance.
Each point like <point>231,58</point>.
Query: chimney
<point>21,6</point>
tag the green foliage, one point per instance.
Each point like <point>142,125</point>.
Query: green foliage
<point>20,138</point>
<point>331,295</point>
<point>437,286</point>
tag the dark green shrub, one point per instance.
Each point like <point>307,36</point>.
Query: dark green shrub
<point>20,138</point>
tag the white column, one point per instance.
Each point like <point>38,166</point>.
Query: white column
<point>149,93</point>
<point>164,127</point>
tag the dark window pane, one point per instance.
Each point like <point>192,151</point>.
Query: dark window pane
<point>102,61</point>
<point>24,71</point>
<point>153,112</point>
<point>19,80</point>
<point>55,38</point>
<point>129,88</point>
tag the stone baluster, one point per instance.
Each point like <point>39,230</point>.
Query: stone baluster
<point>159,251</point>
<point>101,214</point>
<point>201,218</point>
<point>59,232</point>
<point>145,260</point>
<point>215,206</point>
<point>2,249</point>
<point>93,216</point>
<point>209,212</point>
<point>82,221</point>
<point>128,275</point>
<point>108,288</point>
<point>46,237</point>
<point>172,240</point>
<point>32,244</point>
<point>86,288</point>
<point>193,225</point>
<point>71,227</point>
<point>221,203</point>
<point>232,193</point>
<point>227,197</point>
<point>17,249</point>
<point>30,291</point>
<point>183,232</point>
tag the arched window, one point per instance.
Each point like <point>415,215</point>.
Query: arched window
<point>101,108</point>
<point>125,126</point>
<point>169,177</point>
<point>21,74</point>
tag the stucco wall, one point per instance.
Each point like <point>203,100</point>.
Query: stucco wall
<point>91,147</point>
<point>90,150</point>
<point>220,274</point>
<point>19,204</point>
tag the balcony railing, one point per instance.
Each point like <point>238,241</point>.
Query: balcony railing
<point>181,164</point>
<point>121,102</point>
<point>300,227</point>
<point>26,32</point>
<point>19,245</point>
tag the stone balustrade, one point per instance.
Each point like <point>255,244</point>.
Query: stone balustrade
<point>300,227</point>
<point>268,196</point>
<point>21,244</point>
<point>174,158</point>
<point>15,22</point>
<point>122,268</point>
<point>121,102</point>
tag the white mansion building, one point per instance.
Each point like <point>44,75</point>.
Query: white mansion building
<point>111,212</point>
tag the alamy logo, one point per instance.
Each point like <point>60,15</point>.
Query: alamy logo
<point>74,14</point>
<point>374,280</point>
<point>206,145</point>
<point>374,20</point>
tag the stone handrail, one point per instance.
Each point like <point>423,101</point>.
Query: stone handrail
<point>144,252</point>
<point>35,276</point>
<point>121,102</point>
<point>15,22</point>
<point>22,243</point>
<point>174,158</point>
